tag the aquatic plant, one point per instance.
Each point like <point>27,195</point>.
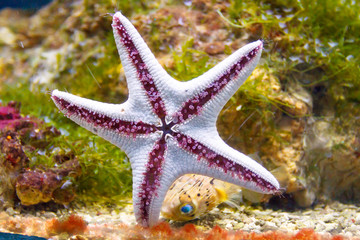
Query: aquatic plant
<point>301,32</point>
<point>189,63</point>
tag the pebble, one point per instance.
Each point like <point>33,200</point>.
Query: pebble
<point>49,215</point>
<point>214,48</point>
<point>10,211</point>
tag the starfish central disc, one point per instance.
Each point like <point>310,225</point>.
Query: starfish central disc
<point>166,127</point>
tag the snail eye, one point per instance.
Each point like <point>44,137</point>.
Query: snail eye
<point>186,209</point>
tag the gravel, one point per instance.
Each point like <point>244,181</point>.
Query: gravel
<point>335,218</point>
<point>330,219</point>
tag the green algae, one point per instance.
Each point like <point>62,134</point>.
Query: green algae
<point>98,69</point>
<point>322,35</point>
<point>189,63</point>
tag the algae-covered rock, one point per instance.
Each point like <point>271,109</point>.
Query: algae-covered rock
<point>22,136</point>
<point>41,186</point>
<point>332,160</point>
<point>12,156</point>
<point>9,115</point>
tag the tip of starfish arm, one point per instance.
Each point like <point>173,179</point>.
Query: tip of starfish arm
<point>276,186</point>
<point>55,95</point>
<point>58,94</point>
<point>117,14</point>
<point>54,92</point>
<point>118,17</point>
<point>260,43</point>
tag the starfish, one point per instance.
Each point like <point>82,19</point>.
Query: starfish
<point>167,128</point>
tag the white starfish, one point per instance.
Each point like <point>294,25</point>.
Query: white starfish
<point>166,127</point>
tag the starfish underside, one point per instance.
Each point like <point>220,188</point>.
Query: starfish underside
<point>166,127</point>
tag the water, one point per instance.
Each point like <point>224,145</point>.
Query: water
<point>298,110</point>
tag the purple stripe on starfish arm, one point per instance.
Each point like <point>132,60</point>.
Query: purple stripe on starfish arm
<point>194,105</point>
<point>143,73</point>
<point>152,175</point>
<point>103,121</point>
<point>214,159</point>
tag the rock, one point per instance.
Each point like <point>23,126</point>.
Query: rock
<point>214,48</point>
<point>41,186</point>
<point>7,36</point>
<point>304,198</point>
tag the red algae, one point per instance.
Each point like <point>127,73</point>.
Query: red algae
<point>189,231</point>
<point>217,233</point>
<point>9,115</point>
<point>73,225</point>
<point>11,118</point>
<point>337,238</point>
<point>162,228</point>
<point>306,234</point>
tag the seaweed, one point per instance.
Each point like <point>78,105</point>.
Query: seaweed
<point>189,63</point>
<point>302,32</point>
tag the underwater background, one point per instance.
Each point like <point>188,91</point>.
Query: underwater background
<point>298,114</point>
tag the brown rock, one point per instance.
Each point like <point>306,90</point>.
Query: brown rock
<point>37,186</point>
<point>214,48</point>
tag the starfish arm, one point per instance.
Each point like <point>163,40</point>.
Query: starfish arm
<point>113,122</point>
<point>211,156</point>
<point>151,179</point>
<point>145,76</point>
<point>148,200</point>
<point>215,87</point>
